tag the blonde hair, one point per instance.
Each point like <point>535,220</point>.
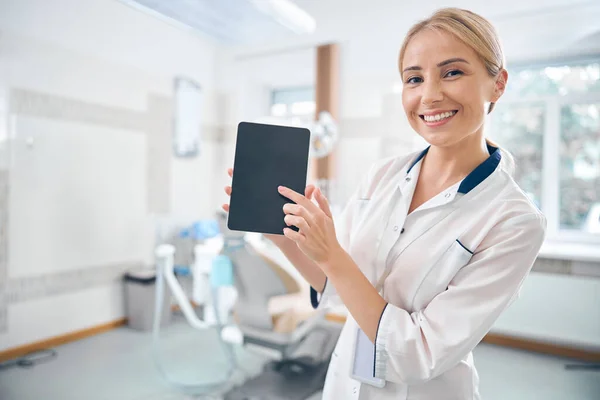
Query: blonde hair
<point>477,33</point>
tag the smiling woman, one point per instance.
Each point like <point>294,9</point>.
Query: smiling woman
<point>452,77</point>
<point>433,246</point>
<point>437,258</point>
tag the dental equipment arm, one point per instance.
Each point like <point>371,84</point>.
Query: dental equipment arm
<point>165,254</point>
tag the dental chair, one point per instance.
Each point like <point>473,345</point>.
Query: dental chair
<point>299,352</point>
<point>299,367</point>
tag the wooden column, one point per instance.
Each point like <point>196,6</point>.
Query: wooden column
<point>326,99</point>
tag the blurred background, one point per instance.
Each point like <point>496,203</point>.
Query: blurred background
<point>118,120</point>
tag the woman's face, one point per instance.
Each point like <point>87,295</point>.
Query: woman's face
<point>446,88</point>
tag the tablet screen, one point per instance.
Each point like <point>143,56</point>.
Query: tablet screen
<point>266,156</point>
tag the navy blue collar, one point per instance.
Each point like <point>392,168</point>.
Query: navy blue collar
<point>476,176</point>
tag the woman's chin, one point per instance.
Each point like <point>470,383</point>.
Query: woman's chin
<point>440,138</point>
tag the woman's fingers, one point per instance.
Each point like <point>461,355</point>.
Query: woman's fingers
<point>299,222</point>
<point>228,190</point>
<point>298,199</point>
<point>297,210</point>
<point>308,192</point>
<point>322,201</point>
<point>293,235</point>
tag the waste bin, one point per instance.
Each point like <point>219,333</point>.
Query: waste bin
<point>140,295</point>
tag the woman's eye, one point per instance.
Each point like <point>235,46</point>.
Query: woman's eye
<point>414,79</point>
<point>453,72</point>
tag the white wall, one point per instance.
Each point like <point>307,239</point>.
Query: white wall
<point>43,318</point>
<point>107,53</point>
<point>556,309</point>
<point>78,198</point>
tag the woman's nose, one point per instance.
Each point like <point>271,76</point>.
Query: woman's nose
<point>432,93</point>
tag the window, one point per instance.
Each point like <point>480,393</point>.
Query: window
<point>549,119</point>
<point>295,104</point>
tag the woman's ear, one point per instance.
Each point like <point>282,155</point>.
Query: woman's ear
<point>500,85</point>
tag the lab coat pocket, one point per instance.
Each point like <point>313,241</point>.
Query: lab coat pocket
<point>441,274</point>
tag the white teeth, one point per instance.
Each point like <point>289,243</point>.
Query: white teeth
<point>438,117</point>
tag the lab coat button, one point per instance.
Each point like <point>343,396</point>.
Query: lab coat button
<point>448,195</point>
<point>408,179</point>
<point>354,390</point>
<point>395,228</point>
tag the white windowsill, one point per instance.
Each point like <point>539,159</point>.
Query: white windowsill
<point>586,252</point>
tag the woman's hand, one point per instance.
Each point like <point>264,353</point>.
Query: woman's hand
<point>316,236</point>
<point>278,240</point>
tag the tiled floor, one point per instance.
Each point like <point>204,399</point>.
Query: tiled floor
<point>118,365</point>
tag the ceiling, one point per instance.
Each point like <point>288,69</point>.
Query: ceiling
<point>234,22</point>
<point>525,26</point>
<point>529,29</point>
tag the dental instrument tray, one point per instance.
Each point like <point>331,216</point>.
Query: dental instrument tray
<point>266,156</point>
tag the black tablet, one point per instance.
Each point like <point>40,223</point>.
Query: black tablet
<point>266,156</point>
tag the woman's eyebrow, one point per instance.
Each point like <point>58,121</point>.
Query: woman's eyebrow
<point>452,60</point>
<point>441,64</point>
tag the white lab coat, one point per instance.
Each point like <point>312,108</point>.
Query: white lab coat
<point>447,271</point>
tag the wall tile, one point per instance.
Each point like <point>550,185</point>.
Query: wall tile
<point>586,268</point>
<point>552,266</point>
<point>56,107</point>
<point>24,289</point>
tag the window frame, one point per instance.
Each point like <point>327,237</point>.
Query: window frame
<point>289,114</point>
<point>551,137</point>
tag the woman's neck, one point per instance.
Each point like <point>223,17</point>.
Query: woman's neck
<point>445,166</point>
